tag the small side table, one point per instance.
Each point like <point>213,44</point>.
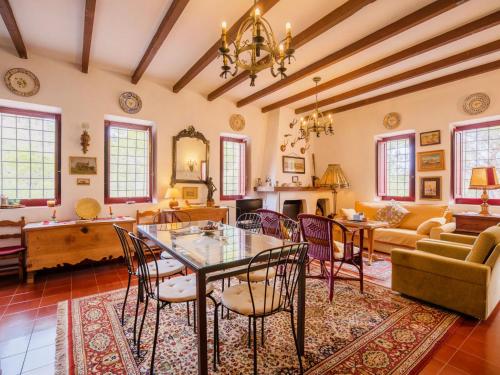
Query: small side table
<point>473,223</point>
<point>369,226</point>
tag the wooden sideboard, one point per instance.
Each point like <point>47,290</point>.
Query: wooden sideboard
<point>72,242</point>
<point>472,223</point>
<point>205,213</point>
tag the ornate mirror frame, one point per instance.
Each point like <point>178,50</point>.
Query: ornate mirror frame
<point>190,132</point>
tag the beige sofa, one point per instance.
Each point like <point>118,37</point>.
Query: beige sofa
<point>405,236</point>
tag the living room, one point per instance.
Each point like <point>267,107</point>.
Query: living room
<point>166,166</point>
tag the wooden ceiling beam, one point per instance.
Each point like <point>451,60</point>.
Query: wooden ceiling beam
<point>468,29</point>
<point>413,73</point>
<point>174,12</point>
<point>485,68</point>
<point>88,27</point>
<point>333,18</point>
<point>423,14</point>
<point>12,28</point>
<point>213,51</point>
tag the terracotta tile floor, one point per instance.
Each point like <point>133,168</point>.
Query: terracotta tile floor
<point>28,324</point>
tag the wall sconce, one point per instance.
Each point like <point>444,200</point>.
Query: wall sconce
<point>191,164</point>
<point>85,138</point>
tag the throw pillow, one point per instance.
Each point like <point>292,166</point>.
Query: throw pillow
<point>426,226</point>
<point>448,215</point>
<point>393,214</point>
<point>348,213</point>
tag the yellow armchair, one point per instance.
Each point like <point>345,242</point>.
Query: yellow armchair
<point>462,275</point>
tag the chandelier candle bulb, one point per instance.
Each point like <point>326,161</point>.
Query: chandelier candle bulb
<point>258,52</point>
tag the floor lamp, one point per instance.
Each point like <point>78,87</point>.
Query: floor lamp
<point>335,179</point>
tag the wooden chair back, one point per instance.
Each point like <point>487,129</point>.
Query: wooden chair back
<point>18,234</point>
<point>146,217</point>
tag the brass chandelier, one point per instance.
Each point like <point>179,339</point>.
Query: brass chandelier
<point>315,123</point>
<point>259,53</point>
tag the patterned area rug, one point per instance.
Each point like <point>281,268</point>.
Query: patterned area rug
<point>377,332</point>
<point>379,270</point>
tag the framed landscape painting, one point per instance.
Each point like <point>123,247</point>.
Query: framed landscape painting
<point>430,188</point>
<point>294,164</point>
<point>82,165</point>
<point>430,138</point>
<point>431,161</point>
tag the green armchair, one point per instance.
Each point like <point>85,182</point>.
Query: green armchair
<point>457,272</point>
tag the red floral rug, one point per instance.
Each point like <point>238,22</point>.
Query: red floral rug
<point>379,270</point>
<point>378,332</point>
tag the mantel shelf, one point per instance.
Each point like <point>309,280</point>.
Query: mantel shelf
<point>275,189</point>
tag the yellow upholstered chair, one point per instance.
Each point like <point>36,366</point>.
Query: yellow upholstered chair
<point>457,272</point>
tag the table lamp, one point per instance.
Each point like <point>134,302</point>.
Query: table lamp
<point>484,178</point>
<point>172,194</point>
<point>334,178</point>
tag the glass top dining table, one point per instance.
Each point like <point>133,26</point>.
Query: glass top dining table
<point>215,255</point>
<point>215,250</point>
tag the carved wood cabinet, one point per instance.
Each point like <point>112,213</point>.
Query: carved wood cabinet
<point>68,243</point>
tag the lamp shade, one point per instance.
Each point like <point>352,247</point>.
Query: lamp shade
<point>484,178</point>
<point>334,178</point>
<point>172,193</point>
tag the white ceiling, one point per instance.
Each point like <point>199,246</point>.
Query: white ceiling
<point>124,28</point>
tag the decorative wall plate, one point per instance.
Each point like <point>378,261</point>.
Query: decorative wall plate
<point>476,103</point>
<point>87,208</point>
<point>237,122</point>
<point>22,82</point>
<point>392,120</point>
<point>130,102</point>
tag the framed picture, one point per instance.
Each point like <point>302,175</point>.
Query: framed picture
<point>430,138</point>
<point>189,192</point>
<point>82,165</point>
<point>83,181</point>
<point>294,164</point>
<point>295,179</point>
<point>430,188</point>
<point>431,161</point>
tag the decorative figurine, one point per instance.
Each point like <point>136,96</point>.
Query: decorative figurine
<point>210,192</point>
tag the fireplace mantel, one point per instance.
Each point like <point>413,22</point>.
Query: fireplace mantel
<point>275,189</point>
<point>276,197</point>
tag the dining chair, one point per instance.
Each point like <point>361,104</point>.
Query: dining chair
<point>176,290</point>
<point>271,222</point>
<point>147,217</point>
<point>250,222</point>
<point>168,217</point>
<point>260,300</point>
<point>164,268</point>
<point>13,251</point>
<point>318,231</point>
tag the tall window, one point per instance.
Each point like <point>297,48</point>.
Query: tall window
<point>129,163</point>
<point>474,146</point>
<point>396,168</point>
<point>30,156</point>
<point>232,168</point>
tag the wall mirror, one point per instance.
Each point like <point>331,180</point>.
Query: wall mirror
<point>190,157</point>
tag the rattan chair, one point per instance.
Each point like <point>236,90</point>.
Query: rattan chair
<point>176,290</point>
<point>259,300</point>
<point>318,232</point>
